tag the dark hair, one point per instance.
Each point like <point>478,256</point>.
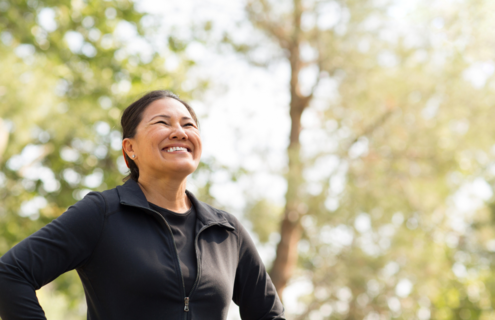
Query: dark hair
<point>132,117</point>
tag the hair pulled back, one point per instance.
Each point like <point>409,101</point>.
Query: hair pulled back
<point>133,115</point>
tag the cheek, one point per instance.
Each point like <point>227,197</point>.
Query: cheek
<point>194,137</point>
<point>150,142</point>
<point>157,136</point>
<point>199,145</point>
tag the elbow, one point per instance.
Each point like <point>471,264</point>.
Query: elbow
<point>11,275</point>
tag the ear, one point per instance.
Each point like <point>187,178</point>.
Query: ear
<point>128,147</point>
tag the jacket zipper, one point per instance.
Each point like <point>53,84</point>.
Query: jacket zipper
<point>186,299</point>
<point>186,304</point>
<point>196,247</point>
<point>198,272</point>
<point>198,263</point>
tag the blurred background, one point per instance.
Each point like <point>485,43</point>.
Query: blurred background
<point>355,139</point>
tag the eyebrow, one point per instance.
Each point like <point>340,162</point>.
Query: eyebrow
<point>168,117</point>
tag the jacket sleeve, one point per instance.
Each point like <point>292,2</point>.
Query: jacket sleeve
<point>254,291</point>
<point>62,245</point>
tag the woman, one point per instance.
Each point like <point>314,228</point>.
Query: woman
<point>147,249</point>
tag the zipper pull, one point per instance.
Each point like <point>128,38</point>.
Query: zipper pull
<point>186,304</point>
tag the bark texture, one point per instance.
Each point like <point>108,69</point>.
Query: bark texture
<point>289,37</point>
<point>290,226</point>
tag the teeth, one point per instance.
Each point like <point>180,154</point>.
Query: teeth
<point>176,148</point>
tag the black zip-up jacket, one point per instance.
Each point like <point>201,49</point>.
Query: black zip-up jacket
<point>125,254</point>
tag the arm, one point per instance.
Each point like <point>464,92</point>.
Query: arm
<point>62,245</point>
<point>254,291</point>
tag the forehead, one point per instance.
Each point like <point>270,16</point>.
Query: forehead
<point>165,106</point>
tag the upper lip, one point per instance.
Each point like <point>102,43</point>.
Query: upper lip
<point>177,145</point>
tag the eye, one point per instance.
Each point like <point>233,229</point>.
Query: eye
<point>161,122</point>
<point>189,124</point>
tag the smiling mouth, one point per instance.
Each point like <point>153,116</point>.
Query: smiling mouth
<point>176,149</point>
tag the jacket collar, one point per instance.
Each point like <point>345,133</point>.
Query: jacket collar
<point>130,193</point>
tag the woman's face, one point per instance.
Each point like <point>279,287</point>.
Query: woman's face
<point>167,140</point>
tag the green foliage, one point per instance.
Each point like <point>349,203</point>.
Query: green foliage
<point>264,217</point>
<point>68,69</point>
<point>402,132</point>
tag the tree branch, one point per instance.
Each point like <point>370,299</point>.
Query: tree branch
<point>372,127</point>
<point>267,24</point>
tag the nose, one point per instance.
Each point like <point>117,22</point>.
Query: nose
<point>178,133</point>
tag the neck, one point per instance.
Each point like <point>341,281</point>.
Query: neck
<point>166,192</point>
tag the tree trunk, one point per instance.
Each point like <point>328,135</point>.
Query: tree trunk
<point>290,226</point>
<point>290,229</point>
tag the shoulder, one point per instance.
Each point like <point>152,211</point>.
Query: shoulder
<point>225,218</point>
<point>109,199</point>
<point>92,201</point>
<point>246,247</point>
<point>216,214</point>
<point>103,202</point>
<point>232,219</point>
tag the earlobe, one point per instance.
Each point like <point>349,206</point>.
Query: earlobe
<point>127,150</point>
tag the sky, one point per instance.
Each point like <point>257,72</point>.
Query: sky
<point>244,114</point>
<point>236,124</point>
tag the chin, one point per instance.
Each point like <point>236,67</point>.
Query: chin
<point>183,168</point>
